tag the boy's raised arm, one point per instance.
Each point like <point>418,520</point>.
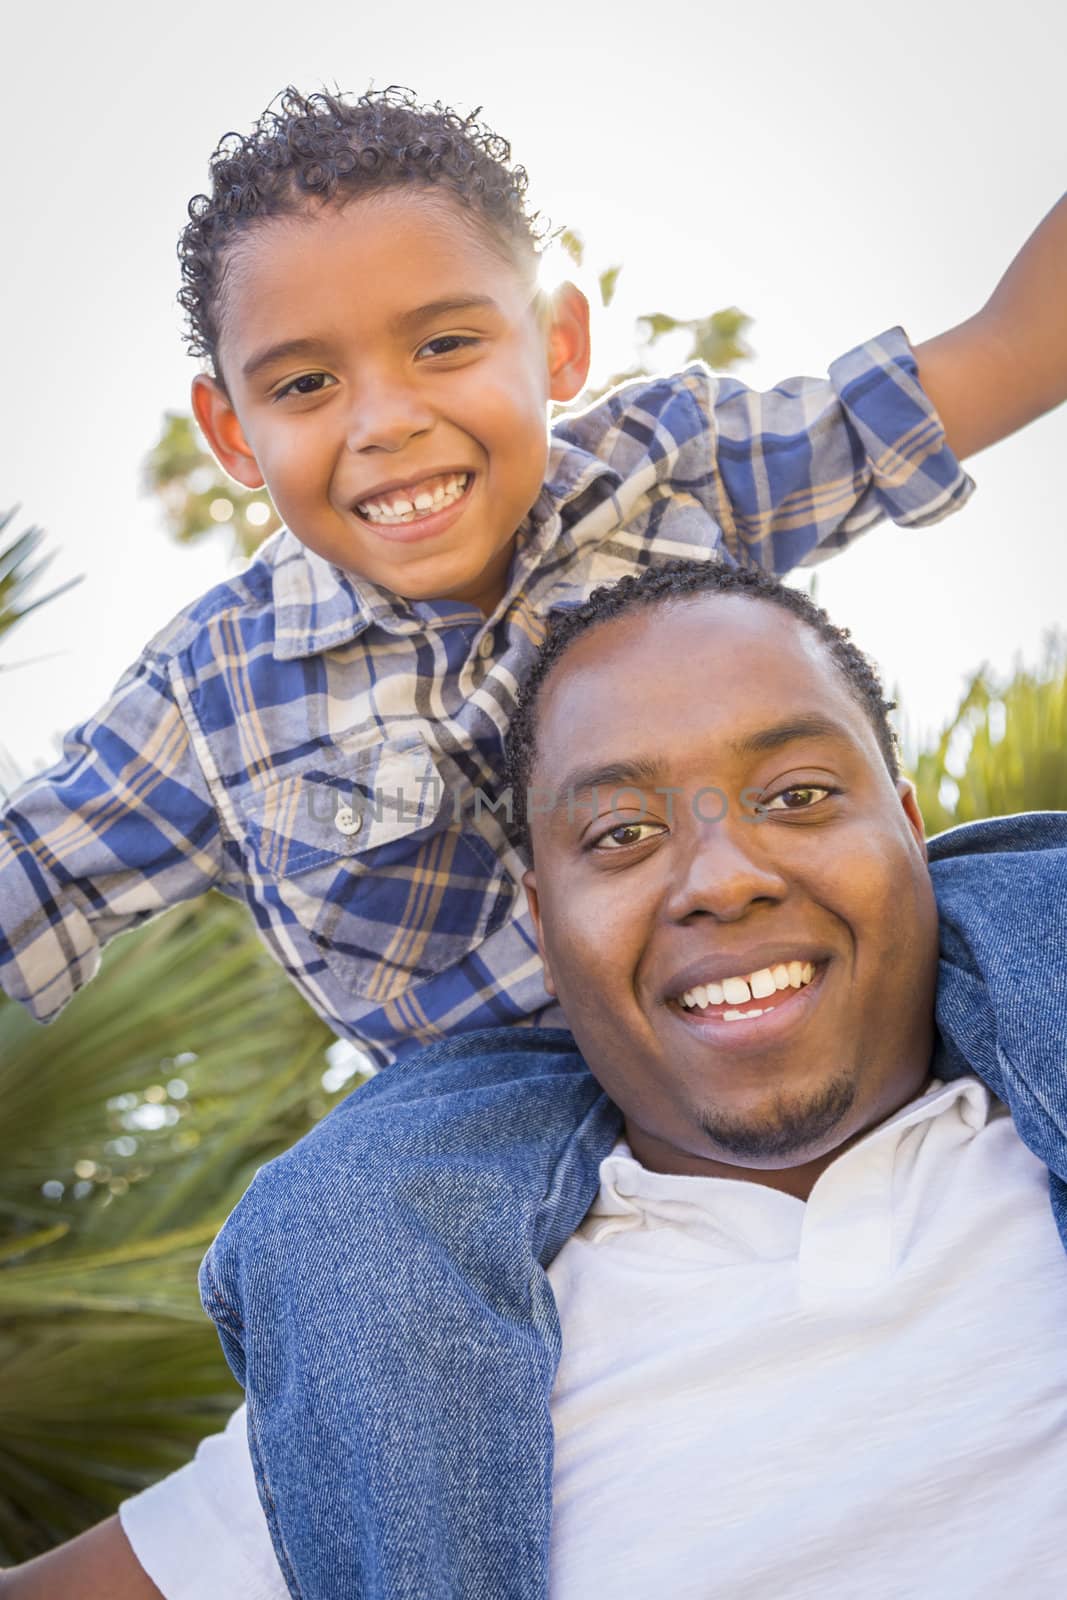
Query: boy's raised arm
<point>1007,364</point>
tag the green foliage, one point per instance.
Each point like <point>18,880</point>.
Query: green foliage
<point>573,245</point>
<point>20,570</point>
<point>606,282</point>
<point>196,495</point>
<point>131,1125</point>
<point>717,340</point>
<point>1004,751</point>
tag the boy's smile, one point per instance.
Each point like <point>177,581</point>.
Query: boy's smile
<point>386,373</point>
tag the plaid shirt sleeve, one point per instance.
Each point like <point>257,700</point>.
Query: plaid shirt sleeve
<point>120,828</point>
<point>790,475</point>
<point>809,465</point>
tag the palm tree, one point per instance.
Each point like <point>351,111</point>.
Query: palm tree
<point>1005,750</point>
<point>131,1125</point>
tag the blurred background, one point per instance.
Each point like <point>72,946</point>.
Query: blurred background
<point>772,185</point>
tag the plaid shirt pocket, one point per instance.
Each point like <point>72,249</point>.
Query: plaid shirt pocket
<point>380,864</point>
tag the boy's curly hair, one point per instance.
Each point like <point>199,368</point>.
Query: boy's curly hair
<point>673,581</point>
<point>326,146</point>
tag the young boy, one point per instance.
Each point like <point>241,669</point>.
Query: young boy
<point>362,285</point>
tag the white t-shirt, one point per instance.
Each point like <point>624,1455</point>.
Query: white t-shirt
<point>863,1394</point>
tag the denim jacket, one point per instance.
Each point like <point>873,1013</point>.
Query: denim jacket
<point>381,1289</point>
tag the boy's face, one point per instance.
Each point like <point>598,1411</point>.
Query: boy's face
<point>387,373</point>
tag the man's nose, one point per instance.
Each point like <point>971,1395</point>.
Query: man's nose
<point>724,870</point>
<point>386,414</point>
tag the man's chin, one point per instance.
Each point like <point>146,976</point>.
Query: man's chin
<point>787,1128</point>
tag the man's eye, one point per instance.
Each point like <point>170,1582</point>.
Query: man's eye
<point>800,797</point>
<point>307,383</point>
<point>446,344</point>
<point>627,833</point>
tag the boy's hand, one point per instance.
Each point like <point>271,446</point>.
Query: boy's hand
<point>1007,364</point>
<point>98,1565</point>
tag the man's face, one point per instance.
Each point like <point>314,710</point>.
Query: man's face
<point>665,918</point>
<point>386,374</point>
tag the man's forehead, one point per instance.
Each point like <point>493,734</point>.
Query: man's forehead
<point>719,671</point>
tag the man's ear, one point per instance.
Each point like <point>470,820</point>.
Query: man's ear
<point>529,883</point>
<point>568,343</point>
<point>219,425</point>
<point>910,803</point>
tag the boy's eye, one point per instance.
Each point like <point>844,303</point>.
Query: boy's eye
<point>626,834</point>
<point>307,383</point>
<point>446,344</point>
<point>799,797</point>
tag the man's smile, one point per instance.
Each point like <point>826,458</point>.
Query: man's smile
<point>767,985</point>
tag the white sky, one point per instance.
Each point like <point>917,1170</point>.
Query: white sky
<point>832,167</point>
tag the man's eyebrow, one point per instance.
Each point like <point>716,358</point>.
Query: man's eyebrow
<point>406,320</point>
<point>638,773</point>
<point>810,726</point>
<point>281,352</point>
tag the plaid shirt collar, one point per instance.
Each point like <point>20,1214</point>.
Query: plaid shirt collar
<point>319,607</point>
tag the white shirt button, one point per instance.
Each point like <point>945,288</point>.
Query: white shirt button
<point>485,649</point>
<point>347,821</point>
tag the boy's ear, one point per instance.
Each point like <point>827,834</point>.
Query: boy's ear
<point>220,427</point>
<point>529,883</point>
<point>568,343</point>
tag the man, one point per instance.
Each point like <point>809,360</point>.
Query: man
<point>791,1321</point>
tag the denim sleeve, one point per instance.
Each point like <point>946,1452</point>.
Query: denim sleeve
<point>120,828</point>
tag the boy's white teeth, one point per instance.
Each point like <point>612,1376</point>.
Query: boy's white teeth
<point>754,986</point>
<point>408,505</point>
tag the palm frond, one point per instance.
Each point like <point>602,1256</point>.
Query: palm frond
<point>132,1124</point>
<point>20,571</point>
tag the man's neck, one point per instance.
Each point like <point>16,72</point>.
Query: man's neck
<point>798,1179</point>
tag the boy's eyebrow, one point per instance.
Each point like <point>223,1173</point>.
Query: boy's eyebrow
<point>280,352</point>
<point>406,320</point>
<point>401,323</point>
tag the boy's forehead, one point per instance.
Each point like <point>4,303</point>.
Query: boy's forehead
<point>398,250</point>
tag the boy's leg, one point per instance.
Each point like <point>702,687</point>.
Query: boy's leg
<point>380,1292</point>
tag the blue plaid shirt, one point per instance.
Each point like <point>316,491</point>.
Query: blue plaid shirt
<point>332,755</point>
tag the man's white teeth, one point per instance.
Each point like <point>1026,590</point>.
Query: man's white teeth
<point>432,495</point>
<point>755,986</point>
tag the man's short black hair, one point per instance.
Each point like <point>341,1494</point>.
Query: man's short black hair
<point>674,581</point>
<point>329,147</point>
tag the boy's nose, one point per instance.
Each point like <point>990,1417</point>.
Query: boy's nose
<point>386,417</point>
